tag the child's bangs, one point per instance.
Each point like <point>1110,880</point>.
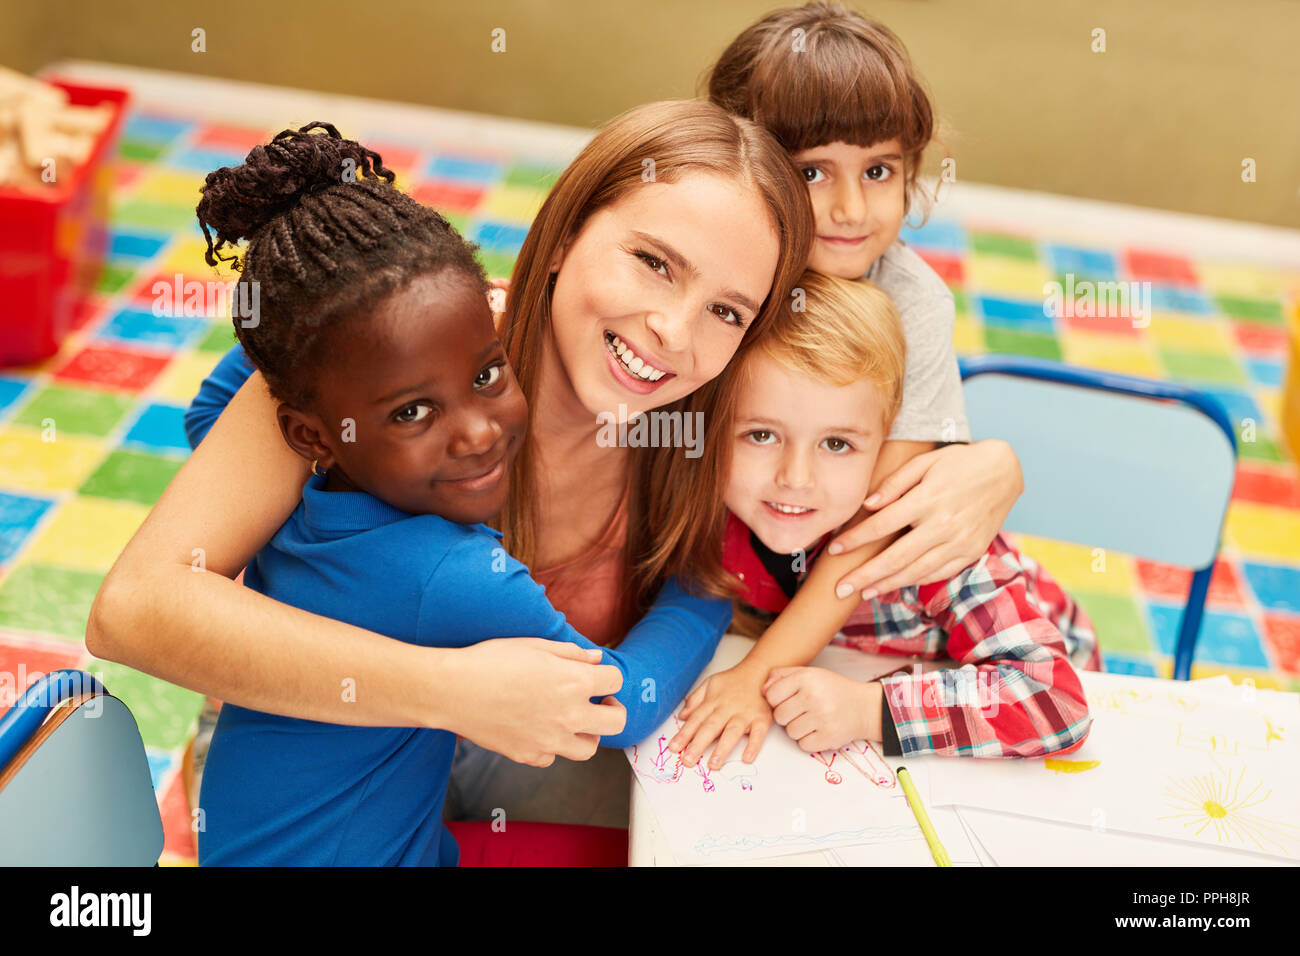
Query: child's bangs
<point>848,331</point>
<point>841,91</point>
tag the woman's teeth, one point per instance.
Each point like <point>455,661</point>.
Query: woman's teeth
<point>789,509</point>
<point>630,360</point>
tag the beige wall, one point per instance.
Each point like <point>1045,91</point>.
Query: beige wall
<point>1185,91</point>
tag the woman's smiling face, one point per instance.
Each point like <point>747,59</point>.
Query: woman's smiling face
<point>654,294</point>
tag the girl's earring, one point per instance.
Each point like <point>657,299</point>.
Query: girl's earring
<point>318,474</point>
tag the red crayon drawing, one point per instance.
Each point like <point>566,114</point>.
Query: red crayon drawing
<point>875,770</point>
<point>827,758</point>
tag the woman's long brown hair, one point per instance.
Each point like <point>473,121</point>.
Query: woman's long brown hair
<point>675,516</point>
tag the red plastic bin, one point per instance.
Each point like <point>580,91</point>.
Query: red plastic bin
<point>52,242</point>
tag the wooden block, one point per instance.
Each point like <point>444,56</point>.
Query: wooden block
<point>13,83</point>
<point>77,147</point>
<point>83,120</point>
<point>35,131</point>
<point>38,124</point>
<point>10,160</point>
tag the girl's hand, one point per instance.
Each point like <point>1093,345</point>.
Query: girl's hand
<point>823,710</point>
<point>954,499</point>
<point>553,716</point>
<point>725,708</point>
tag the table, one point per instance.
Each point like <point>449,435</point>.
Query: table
<point>1020,840</point>
<point>646,843</point>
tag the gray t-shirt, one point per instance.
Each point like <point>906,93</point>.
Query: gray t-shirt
<point>933,409</point>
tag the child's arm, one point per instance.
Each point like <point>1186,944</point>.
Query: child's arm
<point>949,504</point>
<point>1023,696</point>
<point>823,710</point>
<point>215,394</point>
<point>1016,693</point>
<point>730,704</point>
<point>941,512</point>
<point>670,645</point>
<point>658,660</point>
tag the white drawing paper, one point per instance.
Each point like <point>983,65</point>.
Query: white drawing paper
<point>787,801</point>
<point>947,825</point>
<point>1164,758</point>
<point>1022,841</point>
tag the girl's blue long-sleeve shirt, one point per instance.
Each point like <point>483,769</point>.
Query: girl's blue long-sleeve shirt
<point>283,790</point>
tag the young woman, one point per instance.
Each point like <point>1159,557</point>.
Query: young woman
<point>682,259</point>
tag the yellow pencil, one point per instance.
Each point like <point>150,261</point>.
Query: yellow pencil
<point>923,819</point>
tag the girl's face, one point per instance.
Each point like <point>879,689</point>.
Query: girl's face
<point>802,453</point>
<point>435,412</point>
<point>858,196</point>
<point>654,293</point>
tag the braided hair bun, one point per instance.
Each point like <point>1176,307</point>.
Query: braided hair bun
<point>239,200</point>
<point>329,238</point>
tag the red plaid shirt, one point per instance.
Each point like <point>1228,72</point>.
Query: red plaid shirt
<point>1014,634</point>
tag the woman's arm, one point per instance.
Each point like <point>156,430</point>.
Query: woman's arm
<point>656,663</point>
<point>169,607</point>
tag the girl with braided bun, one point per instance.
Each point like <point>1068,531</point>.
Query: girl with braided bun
<point>682,267</point>
<point>376,338</point>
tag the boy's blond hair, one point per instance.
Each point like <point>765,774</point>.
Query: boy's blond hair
<point>838,331</point>
<point>848,331</point>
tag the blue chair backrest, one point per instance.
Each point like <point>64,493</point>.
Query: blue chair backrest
<point>1141,467</point>
<point>75,788</point>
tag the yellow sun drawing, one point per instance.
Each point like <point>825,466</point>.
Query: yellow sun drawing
<point>1216,800</point>
<point>1274,732</point>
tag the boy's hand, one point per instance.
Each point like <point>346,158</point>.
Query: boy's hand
<point>823,710</point>
<point>725,708</point>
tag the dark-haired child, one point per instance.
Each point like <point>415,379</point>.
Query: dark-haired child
<point>840,93</point>
<point>374,333</point>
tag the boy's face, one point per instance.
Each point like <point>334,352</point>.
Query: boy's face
<point>858,196</point>
<point>802,453</point>
<point>438,416</point>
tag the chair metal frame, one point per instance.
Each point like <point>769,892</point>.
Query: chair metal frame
<point>31,709</point>
<point>1043,370</point>
<point>36,723</point>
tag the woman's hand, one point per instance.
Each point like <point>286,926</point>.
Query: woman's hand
<point>725,708</point>
<point>823,710</point>
<point>530,699</point>
<point>954,499</point>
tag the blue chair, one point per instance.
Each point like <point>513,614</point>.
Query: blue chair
<point>75,788</point>
<point>1112,461</point>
